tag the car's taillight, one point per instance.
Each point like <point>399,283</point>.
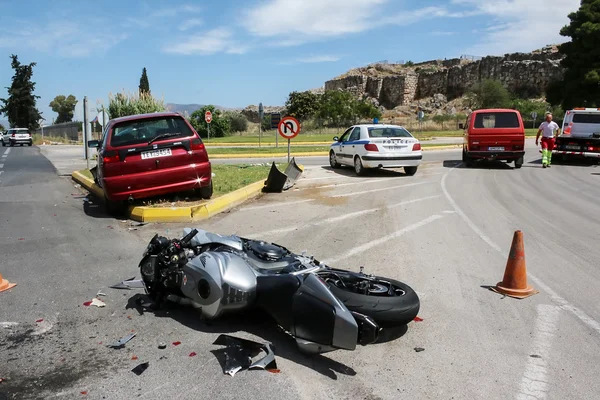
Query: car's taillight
<point>13,135</point>
<point>111,157</point>
<point>197,145</point>
<point>371,147</point>
<point>416,147</point>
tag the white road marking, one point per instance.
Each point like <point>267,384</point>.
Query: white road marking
<point>8,324</point>
<point>1,165</point>
<point>563,303</point>
<point>377,242</point>
<point>359,182</point>
<point>320,178</point>
<point>6,151</point>
<point>380,189</point>
<point>339,218</point>
<point>282,204</point>
<point>534,384</point>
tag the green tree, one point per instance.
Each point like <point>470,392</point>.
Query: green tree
<point>580,84</point>
<point>265,124</point>
<point>488,93</point>
<point>123,104</point>
<point>367,110</point>
<point>441,118</point>
<point>337,108</point>
<point>302,105</point>
<point>64,107</point>
<point>2,128</point>
<point>144,86</point>
<point>237,121</point>
<point>20,107</point>
<point>219,126</point>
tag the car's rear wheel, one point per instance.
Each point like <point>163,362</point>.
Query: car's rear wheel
<point>410,170</point>
<point>3,144</point>
<point>333,160</point>
<point>358,167</point>
<point>29,144</point>
<point>207,191</point>
<point>519,162</point>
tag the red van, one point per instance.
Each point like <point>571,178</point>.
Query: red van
<point>494,134</point>
<point>148,155</point>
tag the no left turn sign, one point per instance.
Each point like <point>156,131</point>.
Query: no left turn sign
<point>288,127</point>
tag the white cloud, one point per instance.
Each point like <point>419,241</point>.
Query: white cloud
<point>311,60</point>
<point>190,23</point>
<point>176,10</point>
<point>519,25</point>
<point>219,40</point>
<point>62,38</point>
<point>306,20</point>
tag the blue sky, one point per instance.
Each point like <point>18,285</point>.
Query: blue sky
<point>235,53</point>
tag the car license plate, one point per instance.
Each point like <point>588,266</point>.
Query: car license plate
<point>572,147</point>
<point>496,148</point>
<point>156,153</point>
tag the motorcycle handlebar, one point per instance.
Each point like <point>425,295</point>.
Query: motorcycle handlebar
<point>187,238</point>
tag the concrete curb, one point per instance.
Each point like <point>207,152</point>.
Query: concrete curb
<point>253,144</point>
<point>312,153</point>
<point>182,214</point>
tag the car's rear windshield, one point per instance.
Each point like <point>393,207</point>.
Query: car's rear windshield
<point>144,130</point>
<point>496,120</point>
<point>388,132</point>
<point>586,118</point>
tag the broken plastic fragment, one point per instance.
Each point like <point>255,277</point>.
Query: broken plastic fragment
<point>129,284</point>
<point>176,343</point>
<point>134,357</point>
<point>141,368</point>
<point>121,342</point>
<point>84,392</point>
<point>419,349</point>
<point>162,346</point>
<point>418,319</point>
<point>87,303</point>
<point>100,293</point>
<point>192,354</point>
<point>239,353</point>
<point>40,320</point>
<point>98,303</point>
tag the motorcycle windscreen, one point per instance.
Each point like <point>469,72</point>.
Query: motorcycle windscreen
<point>319,317</point>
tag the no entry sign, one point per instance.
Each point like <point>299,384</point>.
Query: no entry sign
<point>208,117</point>
<point>288,127</point>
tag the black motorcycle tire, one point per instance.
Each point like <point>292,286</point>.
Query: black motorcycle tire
<point>385,311</point>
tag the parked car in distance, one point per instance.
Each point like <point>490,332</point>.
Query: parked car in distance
<point>147,155</point>
<point>15,136</point>
<point>494,134</point>
<point>367,146</point>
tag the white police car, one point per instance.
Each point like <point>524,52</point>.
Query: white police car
<point>376,146</point>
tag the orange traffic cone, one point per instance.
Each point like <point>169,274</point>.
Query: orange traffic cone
<point>5,285</point>
<point>514,283</point>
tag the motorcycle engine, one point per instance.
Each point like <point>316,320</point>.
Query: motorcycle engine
<point>267,251</point>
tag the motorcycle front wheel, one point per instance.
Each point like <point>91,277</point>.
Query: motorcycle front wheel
<point>388,301</point>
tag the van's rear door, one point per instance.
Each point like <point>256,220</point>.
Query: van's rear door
<point>497,131</point>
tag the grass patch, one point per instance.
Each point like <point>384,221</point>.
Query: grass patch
<point>37,139</point>
<point>266,150</point>
<point>228,178</point>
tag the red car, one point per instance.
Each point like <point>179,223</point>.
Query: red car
<point>149,155</point>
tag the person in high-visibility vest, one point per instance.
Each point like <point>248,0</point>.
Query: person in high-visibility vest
<point>547,129</point>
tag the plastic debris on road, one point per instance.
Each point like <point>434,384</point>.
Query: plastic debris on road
<point>141,368</point>
<point>121,342</point>
<point>239,353</point>
<point>129,284</point>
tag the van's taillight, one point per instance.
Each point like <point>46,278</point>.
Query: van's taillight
<point>197,145</point>
<point>416,147</point>
<point>110,157</point>
<point>371,147</point>
<point>474,147</point>
<point>517,147</point>
<point>13,135</point>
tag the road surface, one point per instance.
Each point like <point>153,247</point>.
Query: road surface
<point>445,231</point>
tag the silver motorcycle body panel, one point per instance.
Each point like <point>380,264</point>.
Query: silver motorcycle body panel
<point>219,282</point>
<point>205,237</point>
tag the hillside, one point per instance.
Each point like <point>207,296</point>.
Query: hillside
<point>439,85</point>
<point>190,108</point>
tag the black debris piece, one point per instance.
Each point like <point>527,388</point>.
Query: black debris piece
<point>140,368</point>
<point>419,349</point>
<point>162,346</point>
<point>239,353</point>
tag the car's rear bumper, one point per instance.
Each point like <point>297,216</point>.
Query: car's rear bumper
<point>150,184</point>
<point>496,155</point>
<point>391,161</point>
<point>577,153</point>
<point>20,141</point>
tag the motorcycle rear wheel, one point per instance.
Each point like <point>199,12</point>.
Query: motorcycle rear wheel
<point>389,302</point>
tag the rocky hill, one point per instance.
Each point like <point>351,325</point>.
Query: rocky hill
<point>440,84</point>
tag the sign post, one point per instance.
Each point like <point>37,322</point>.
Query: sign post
<point>275,119</point>
<point>289,128</point>
<point>420,116</point>
<point>534,116</point>
<point>261,114</point>
<point>208,119</point>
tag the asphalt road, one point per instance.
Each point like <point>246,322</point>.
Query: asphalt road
<point>445,231</point>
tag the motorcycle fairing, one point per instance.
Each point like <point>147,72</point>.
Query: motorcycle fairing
<point>204,237</point>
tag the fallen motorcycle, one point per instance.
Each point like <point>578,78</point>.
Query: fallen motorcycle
<point>322,308</point>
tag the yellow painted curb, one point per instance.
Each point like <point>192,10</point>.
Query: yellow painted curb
<point>88,184</point>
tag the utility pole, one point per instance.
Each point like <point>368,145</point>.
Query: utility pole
<point>85,131</point>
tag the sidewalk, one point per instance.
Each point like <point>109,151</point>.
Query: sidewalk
<point>66,158</point>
